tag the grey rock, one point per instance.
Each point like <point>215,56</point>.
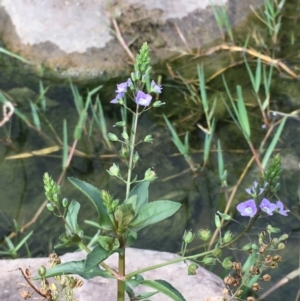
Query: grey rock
<point>75,38</point>
<point>203,286</point>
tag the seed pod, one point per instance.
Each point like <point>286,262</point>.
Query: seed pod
<point>266,277</point>
<point>255,286</point>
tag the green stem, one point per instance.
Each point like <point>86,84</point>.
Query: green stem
<point>130,275</point>
<point>121,282</point>
<point>132,145</point>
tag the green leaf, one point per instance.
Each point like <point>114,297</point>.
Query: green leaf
<point>145,295</point>
<point>94,195</point>
<point>165,288</point>
<point>141,192</point>
<point>95,257</point>
<point>67,241</point>
<point>132,201</point>
<point>75,267</point>
<point>124,215</point>
<point>135,280</point>
<point>152,213</point>
<point>108,243</point>
<point>71,226</point>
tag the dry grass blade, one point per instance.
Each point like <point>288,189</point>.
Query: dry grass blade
<point>265,58</point>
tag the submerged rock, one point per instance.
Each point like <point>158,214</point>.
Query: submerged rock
<point>200,287</point>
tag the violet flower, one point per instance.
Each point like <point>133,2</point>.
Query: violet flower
<point>253,191</point>
<point>155,88</point>
<point>143,99</point>
<point>122,88</point>
<point>116,99</point>
<point>247,208</point>
<point>267,206</point>
<point>280,210</point>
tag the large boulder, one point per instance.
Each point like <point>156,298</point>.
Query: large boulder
<point>76,38</point>
<point>203,286</point>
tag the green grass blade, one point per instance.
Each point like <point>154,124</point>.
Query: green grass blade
<point>251,76</point>
<point>35,116</point>
<point>23,241</point>
<point>273,143</point>
<point>9,244</point>
<point>220,160</point>
<point>14,56</point>
<point>203,94</point>
<point>176,140</point>
<point>65,145</point>
<point>257,76</point>
<point>42,96</point>
<point>207,142</point>
<point>102,123</point>
<point>77,98</point>
<point>242,114</point>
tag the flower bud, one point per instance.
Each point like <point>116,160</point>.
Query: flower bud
<point>50,207</point>
<point>135,157</point>
<point>192,268</point>
<point>125,135</point>
<point>217,252</point>
<point>148,139</point>
<point>132,75</point>
<point>208,260</point>
<point>114,170</point>
<point>148,70</point>
<point>65,202</point>
<point>266,277</point>
<point>112,137</point>
<point>225,216</point>
<point>72,282</point>
<point>42,271</point>
<point>188,237</point>
<point>53,287</point>
<point>124,151</point>
<point>227,263</point>
<point>248,247</point>
<point>158,103</point>
<point>217,221</point>
<point>120,124</point>
<point>228,236</point>
<point>250,298</point>
<point>150,175</point>
<point>283,237</point>
<point>204,234</point>
<point>281,246</point>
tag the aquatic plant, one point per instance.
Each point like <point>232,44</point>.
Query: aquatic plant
<point>120,221</point>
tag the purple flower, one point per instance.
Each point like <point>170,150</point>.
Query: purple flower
<point>116,99</point>
<point>253,191</point>
<point>267,206</point>
<point>122,88</point>
<point>247,208</point>
<point>155,88</point>
<point>279,208</point>
<point>143,99</point>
